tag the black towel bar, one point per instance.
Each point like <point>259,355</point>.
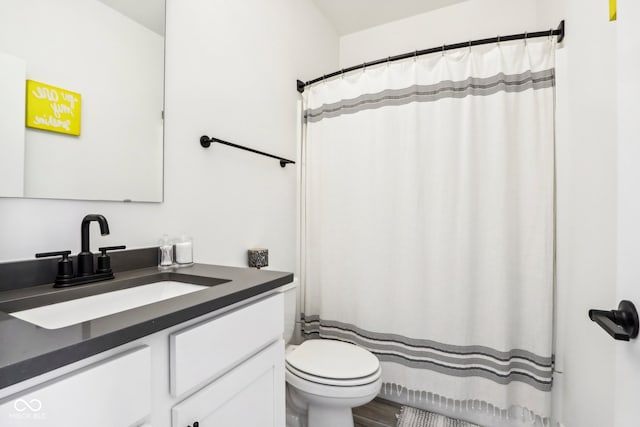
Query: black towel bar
<point>205,141</point>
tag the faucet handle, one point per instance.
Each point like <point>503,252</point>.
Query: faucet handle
<point>104,261</point>
<point>104,249</point>
<point>65,254</point>
<point>65,265</point>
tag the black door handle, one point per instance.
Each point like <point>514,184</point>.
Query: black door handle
<point>622,324</point>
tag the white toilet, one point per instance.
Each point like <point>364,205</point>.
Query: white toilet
<point>325,378</point>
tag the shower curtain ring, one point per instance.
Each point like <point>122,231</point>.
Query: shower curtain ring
<point>498,40</point>
<point>388,60</point>
<point>550,34</point>
<point>525,38</point>
<point>415,55</point>
<point>443,48</point>
<point>469,45</point>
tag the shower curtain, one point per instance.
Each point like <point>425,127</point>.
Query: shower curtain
<point>428,225</point>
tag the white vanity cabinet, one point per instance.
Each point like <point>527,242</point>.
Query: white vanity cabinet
<point>112,392</point>
<point>223,369</point>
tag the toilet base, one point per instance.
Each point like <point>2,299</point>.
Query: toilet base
<point>316,416</point>
<point>306,409</point>
<point>319,416</point>
<point>296,409</point>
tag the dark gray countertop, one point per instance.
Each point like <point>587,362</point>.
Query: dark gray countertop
<point>27,350</point>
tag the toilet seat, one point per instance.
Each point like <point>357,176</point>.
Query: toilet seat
<point>333,382</point>
<point>333,363</point>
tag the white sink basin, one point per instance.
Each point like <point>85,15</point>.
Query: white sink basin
<point>80,310</point>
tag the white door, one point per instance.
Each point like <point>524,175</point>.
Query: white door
<point>627,388</point>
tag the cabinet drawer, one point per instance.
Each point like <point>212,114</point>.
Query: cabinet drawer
<point>207,350</point>
<point>114,392</point>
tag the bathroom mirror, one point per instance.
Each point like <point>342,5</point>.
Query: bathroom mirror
<point>111,54</point>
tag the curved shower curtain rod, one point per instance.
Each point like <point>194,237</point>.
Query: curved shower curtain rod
<point>559,32</point>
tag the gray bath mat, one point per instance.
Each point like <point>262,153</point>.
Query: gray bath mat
<point>412,417</point>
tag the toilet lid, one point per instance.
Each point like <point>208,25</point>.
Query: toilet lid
<point>333,359</point>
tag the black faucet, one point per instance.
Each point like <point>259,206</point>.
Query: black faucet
<point>86,272</point>
<point>85,257</point>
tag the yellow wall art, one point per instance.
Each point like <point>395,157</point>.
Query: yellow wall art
<point>613,10</point>
<point>52,108</point>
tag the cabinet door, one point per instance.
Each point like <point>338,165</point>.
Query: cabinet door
<point>252,394</point>
<point>114,392</point>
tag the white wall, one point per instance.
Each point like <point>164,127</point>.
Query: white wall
<point>230,72</point>
<point>586,169</point>
<point>469,20</point>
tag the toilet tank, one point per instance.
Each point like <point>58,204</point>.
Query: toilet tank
<point>290,292</point>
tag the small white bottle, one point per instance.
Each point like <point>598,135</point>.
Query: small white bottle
<point>165,253</point>
<point>184,251</point>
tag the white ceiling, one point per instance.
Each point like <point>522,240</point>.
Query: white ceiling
<point>149,13</point>
<point>349,16</point>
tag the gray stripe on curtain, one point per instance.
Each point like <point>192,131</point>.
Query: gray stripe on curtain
<point>544,362</point>
<point>471,86</point>
<point>462,361</point>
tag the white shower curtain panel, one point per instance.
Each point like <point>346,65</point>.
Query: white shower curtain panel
<point>429,224</point>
